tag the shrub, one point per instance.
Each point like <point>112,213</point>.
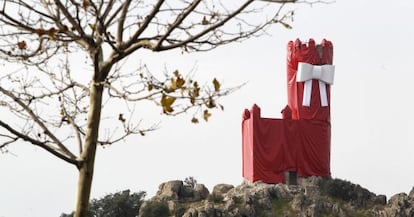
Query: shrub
<point>215,198</point>
<point>155,209</point>
<point>120,204</point>
<point>346,191</point>
<point>190,181</point>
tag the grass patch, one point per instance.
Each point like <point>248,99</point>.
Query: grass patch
<point>282,206</point>
<point>155,209</point>
<point>215,198</point>
<point>279,207</point>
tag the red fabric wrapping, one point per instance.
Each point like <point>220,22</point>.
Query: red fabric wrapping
<point>264,142</point>
<point>313,157</point>
<point>272,146</point>
<point>302,52</point>
<point>301,140</point>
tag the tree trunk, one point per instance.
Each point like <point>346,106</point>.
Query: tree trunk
<point>88,153</point>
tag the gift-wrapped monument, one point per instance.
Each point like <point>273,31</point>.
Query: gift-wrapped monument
<point>299,143</point>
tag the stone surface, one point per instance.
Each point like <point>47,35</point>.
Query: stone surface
<point>312,197</point>
<point>200,192</point>
<point>222,189</point>
<point>172,190</point>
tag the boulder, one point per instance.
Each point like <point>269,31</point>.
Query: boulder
<point>171,190</point>
<point>411,193</point>
<point>221,189</point>
<point>312,197</point>
<point>200,192</point>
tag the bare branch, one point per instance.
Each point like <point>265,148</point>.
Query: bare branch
<point>207,30</point>
<point>315,2</point>
<point>121,22</point>
<point>10,141</point>
<point>76,129</point>
<point>280,1</point>
<point>39,122</point>
<point>180,18</point>
<point>71,19</point>
<point>57,152</point>
<point>129,45</point>
<point>128,131</point>
<point>108,9</point>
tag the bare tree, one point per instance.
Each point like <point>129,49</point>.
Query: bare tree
<point>53,103</point>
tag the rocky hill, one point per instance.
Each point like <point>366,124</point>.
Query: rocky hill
<point>311,197</point>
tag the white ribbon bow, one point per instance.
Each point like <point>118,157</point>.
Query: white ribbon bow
<point>323,73</point>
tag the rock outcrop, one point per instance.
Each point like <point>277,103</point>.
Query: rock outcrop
<point>312,197</point>
<point>399,205</point>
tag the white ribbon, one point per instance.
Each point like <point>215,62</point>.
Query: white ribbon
<point>323,73</point>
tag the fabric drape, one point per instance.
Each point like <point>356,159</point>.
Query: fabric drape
<point>301,140</point>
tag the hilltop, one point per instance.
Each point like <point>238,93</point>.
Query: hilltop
<point>311,197</point>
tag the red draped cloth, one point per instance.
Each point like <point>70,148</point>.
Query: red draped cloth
<point>300,141</point>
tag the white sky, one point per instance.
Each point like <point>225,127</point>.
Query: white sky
<point>372,106</point>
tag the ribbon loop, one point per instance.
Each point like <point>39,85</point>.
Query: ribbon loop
<point>307,72</point>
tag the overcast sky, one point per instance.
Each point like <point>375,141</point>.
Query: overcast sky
<point>371,104</point>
